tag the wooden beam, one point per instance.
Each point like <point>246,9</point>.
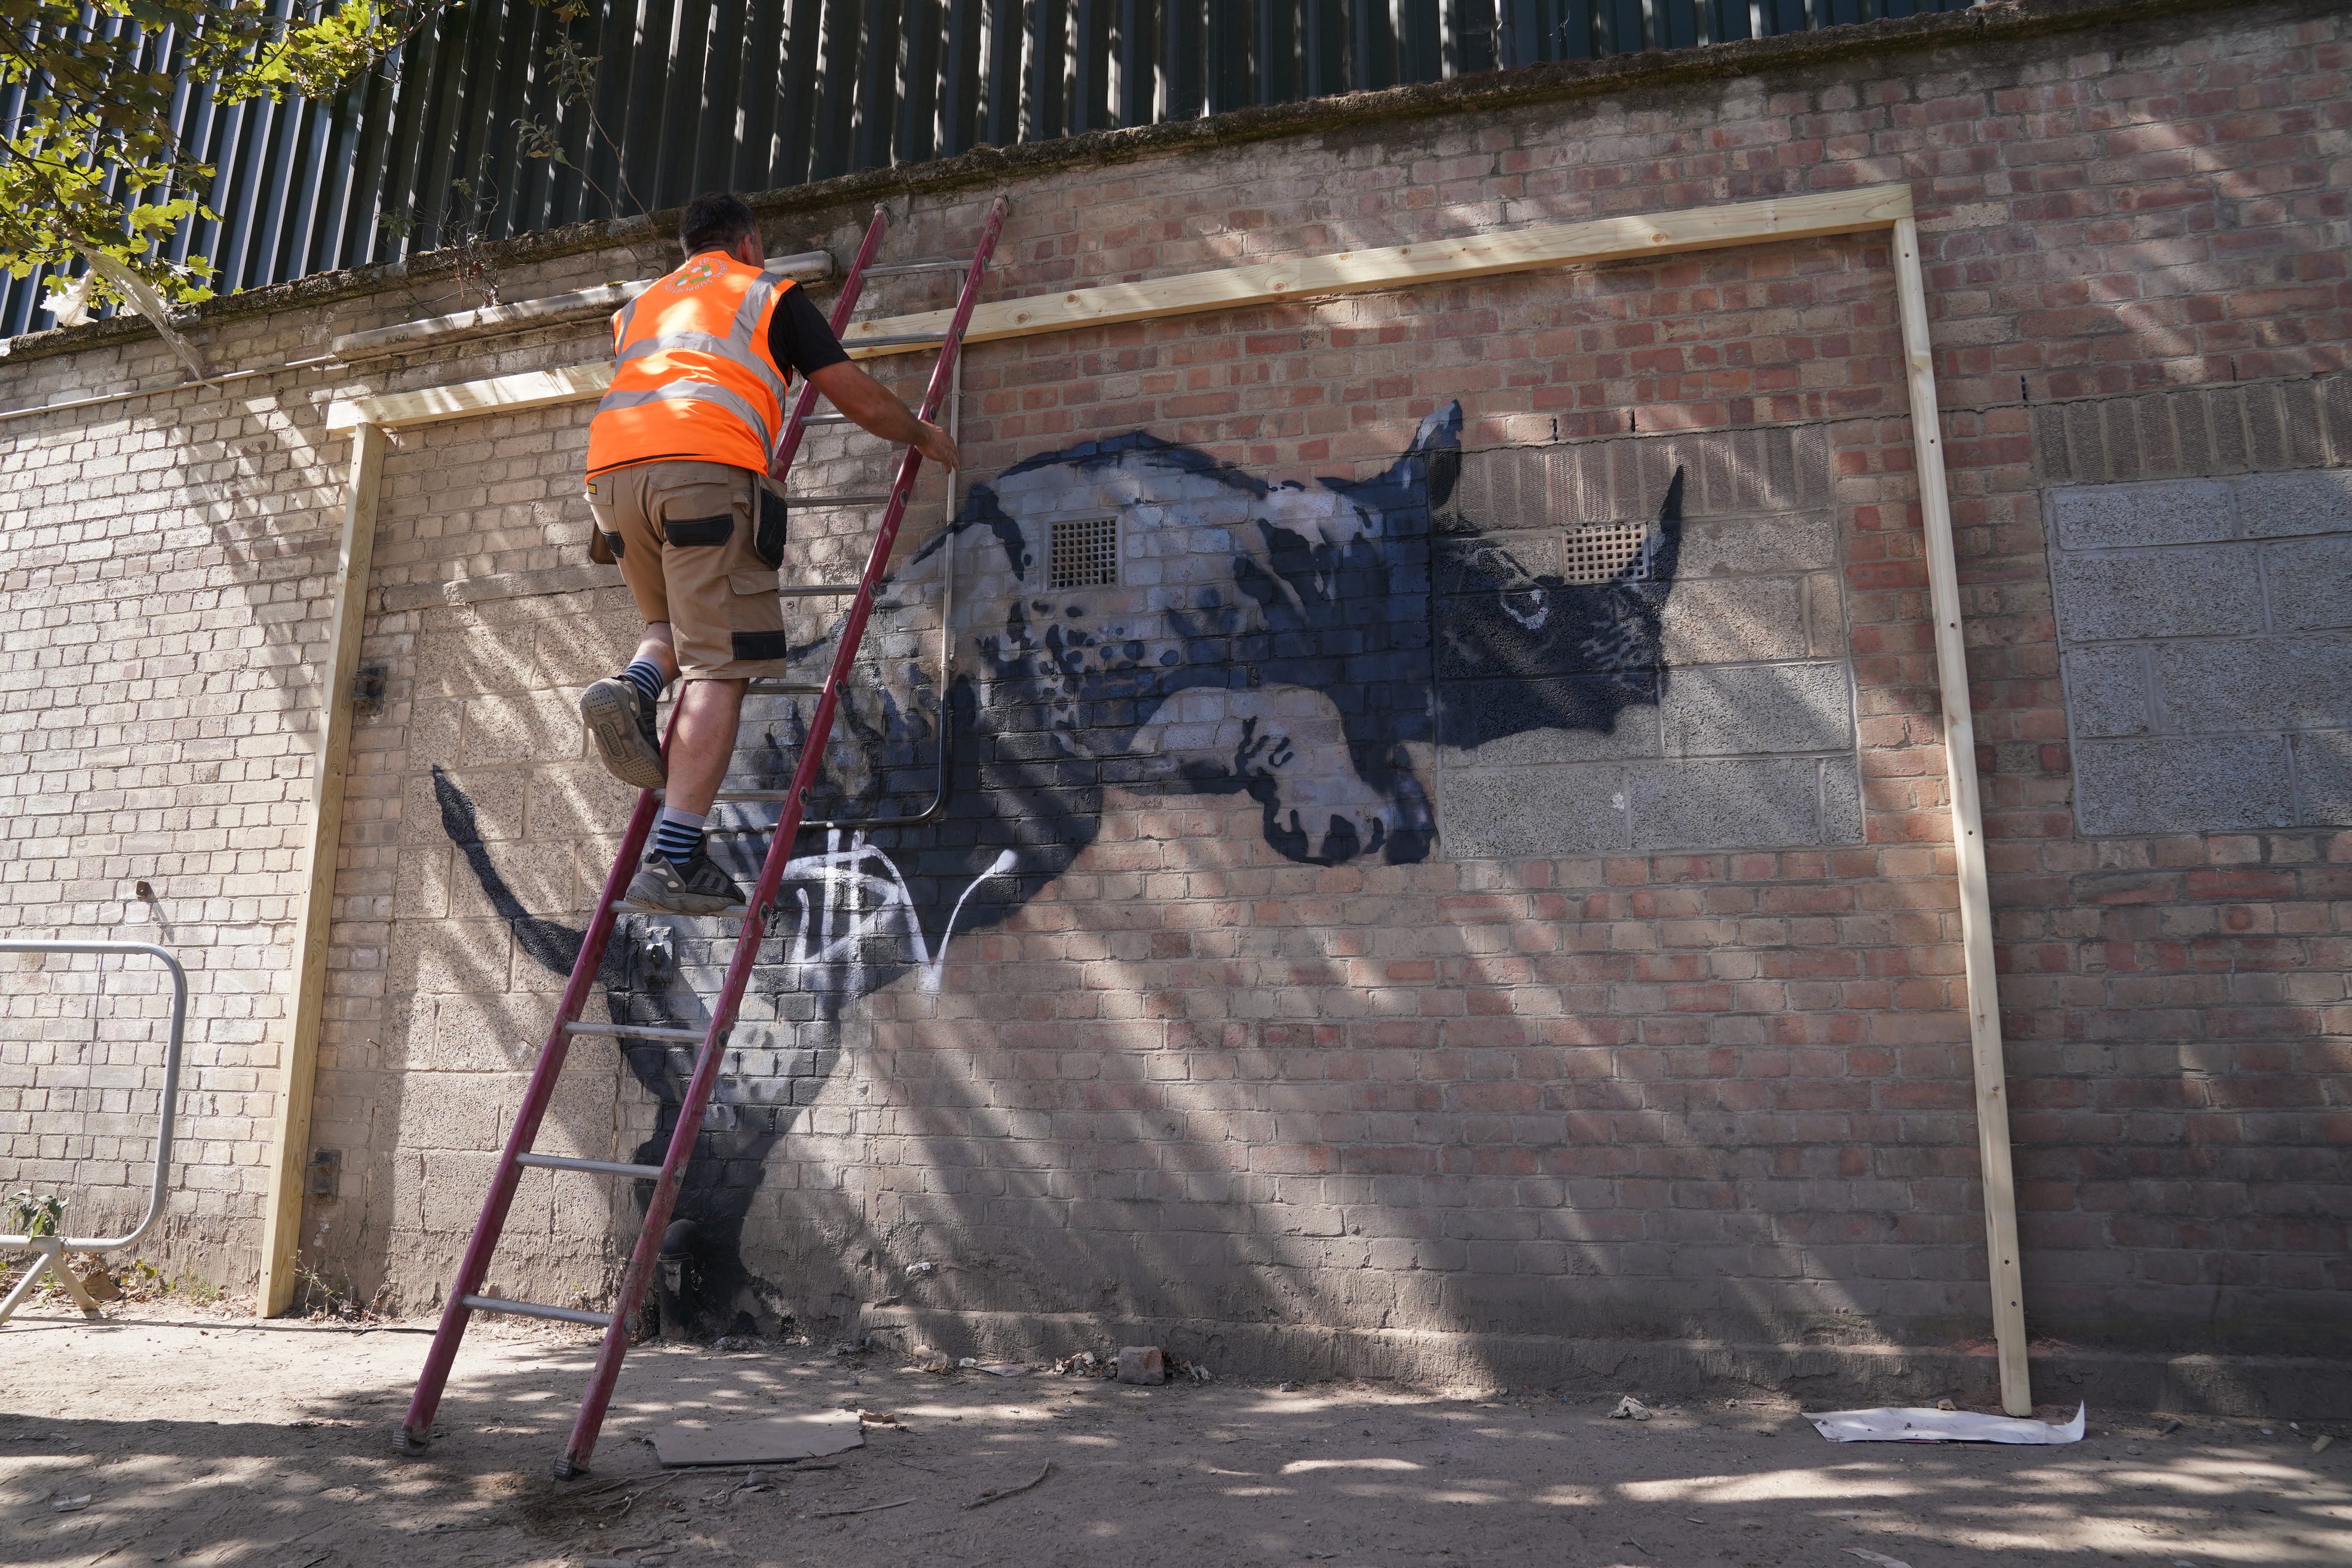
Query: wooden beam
<point>1192,293</point>
<point>463,399</point>
<point>1968,832</point>
<point>1398,267</point>
<point>281,1219</point>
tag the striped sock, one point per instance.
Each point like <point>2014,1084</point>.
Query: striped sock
<point>678,836</point>
<point>646,677</point>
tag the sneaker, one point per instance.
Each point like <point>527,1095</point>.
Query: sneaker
<point>622,721</point>
<point>700,888</point>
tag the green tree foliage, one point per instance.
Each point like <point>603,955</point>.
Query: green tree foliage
<point>89,163</point>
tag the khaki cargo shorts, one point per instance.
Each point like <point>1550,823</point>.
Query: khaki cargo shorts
<point>699,545</point>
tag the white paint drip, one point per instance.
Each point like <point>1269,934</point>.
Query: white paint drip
<point>869,905</point>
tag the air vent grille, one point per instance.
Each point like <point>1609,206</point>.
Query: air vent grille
<point>1602,552</point>
<point>1082,553</point>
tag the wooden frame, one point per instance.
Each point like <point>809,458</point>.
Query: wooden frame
<point>281,1215</point>
<point>1882,209</point>
<point>1190,293</point>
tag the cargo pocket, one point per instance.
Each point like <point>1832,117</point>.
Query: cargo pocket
<point>756,618</point>
<point>768,539</point>
<point>762,645</point>
<point>604,545</point>
<point>693,531</point>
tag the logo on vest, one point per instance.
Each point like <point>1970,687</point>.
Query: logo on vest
<point>697,272</point>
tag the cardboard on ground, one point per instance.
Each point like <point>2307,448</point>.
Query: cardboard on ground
<point>769,1441</point>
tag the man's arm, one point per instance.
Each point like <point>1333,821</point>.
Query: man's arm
<point>799,338</point>
<point>876,409</point>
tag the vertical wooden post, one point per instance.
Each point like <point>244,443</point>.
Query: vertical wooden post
<point>281,1218</point>
<point>1967,833</point>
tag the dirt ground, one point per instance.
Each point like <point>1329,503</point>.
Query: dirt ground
<point>167,1436</point>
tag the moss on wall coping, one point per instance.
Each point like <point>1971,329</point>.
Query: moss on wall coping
<point>1997,22</point>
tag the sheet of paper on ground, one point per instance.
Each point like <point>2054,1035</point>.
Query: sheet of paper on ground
<point>1901,1425</point>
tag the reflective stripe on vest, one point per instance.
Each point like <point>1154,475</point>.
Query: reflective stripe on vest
<point>692,376</point>
<point>703,342</point>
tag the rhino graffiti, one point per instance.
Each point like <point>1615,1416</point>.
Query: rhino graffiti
<point>1305,647</point>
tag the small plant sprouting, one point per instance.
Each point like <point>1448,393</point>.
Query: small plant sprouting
<point>572,76</point>
<point>34,1213</point>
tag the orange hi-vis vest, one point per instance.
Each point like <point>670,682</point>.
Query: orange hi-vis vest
<point>692,377</point>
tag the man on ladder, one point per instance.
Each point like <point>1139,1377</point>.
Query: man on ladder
<point>698,386</point>
<point>678,481</point>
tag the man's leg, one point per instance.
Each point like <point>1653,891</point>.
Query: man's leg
<point>702,740</point>
<point>657,648</point>
<point>679,873</point>
<point>729,627</point>
<point>619,710</point>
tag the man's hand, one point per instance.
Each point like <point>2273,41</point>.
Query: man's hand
<point>876,409</point>
<point>935,444</point>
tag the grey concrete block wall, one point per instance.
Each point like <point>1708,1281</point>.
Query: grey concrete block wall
<point>2206,630</point>
<point>1751,741</point>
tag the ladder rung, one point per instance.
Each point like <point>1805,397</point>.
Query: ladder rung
<point>633,1031</point>
<point>593,1167</point>
<point>944,264</point>
<point>785,688</point>
<point>539,1309</point>
<point>731,912</point>
<point>818,590</point>
<point>834,419</point>
<point>753,795</point>
<point>874,498</point>
<point>893,339</point>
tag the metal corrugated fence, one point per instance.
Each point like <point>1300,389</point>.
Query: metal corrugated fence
<point>692,95</point>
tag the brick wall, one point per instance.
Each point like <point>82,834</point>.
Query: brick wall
<point>164,604</point>
<point>159,625</point>
<point>1396,961</point>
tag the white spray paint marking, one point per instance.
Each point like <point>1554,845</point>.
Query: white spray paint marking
<point>865,904</point>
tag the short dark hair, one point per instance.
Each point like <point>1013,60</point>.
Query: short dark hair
<point>714,221</point>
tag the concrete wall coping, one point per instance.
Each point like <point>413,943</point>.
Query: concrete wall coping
<point>494,320</point>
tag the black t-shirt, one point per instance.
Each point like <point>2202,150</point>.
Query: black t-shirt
<point>799,338</point>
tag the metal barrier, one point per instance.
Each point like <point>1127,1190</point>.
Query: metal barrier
<point>51,1249</point>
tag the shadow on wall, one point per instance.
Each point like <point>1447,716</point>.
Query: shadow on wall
<point>1141,617</point>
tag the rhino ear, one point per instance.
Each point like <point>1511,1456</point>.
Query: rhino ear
<point>1431,464</point>
<point>1437,446</point>
<point>1441,432</point>
<point>1665,545</point>
<point>980,508</point>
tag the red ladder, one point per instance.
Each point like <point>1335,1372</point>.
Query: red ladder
<point>465,1298</point>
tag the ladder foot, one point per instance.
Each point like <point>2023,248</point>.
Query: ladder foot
<point>566,1470</point>
<point>404,1441</point>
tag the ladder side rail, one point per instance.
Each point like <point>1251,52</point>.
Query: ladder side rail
<point>416,1427</point>
<point>696,1099</point>
<point>845,304</point>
